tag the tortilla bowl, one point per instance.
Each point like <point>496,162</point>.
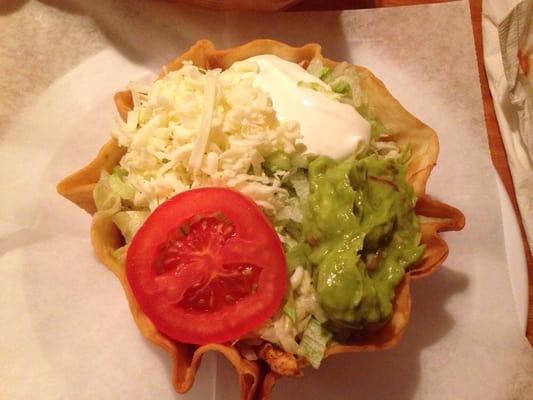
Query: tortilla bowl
<point>256,378</point>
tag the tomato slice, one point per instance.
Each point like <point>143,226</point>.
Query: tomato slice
<point>207,266</point>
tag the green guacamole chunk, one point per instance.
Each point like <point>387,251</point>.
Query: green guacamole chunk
<point>363,232</point>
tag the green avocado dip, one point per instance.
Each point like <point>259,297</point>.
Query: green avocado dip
<point>364,234</point>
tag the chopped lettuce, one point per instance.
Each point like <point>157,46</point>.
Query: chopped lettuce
<point>342,88</point>
<point>110,193</point>
<point>297,256</point>
<point>376,129</point>
<point>315,67</point>
<point>289,308</point>
<point>324,71</point>
<point>119,184</point>
<point>120,254</point>
<point>111,189</point>
<point>129,221</point>
<point>293,211</point>
<point>300,183</point>
<point>106,199</point>
<point>314,342</point>
<point>311,85</point>
<point>278,161</point>
<point>343,80</point>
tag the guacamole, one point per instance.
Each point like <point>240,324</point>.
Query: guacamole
<point>363,234</point>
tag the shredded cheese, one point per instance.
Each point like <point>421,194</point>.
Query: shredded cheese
<point>205,125</point>
<point>195,128</point>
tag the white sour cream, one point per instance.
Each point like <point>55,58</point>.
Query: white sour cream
<point>328,126</point>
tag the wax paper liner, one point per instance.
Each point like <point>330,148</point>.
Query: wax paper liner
<point>256,378</point>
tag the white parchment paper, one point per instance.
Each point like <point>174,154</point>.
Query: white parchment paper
<point>65,329</point>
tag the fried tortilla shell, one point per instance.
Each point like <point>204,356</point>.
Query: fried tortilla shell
<point>256,378</point>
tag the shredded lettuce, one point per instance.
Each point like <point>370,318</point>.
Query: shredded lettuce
<point>129,222</point>
<point>324,73</point>
<point>109,195</point>
<point>111,189</point>
<point>315,67</point>
<point>376,129</point>
<point>297,256</point>
<point>289,308</point>
<point>119,184</point>
<point>311,85</point>
<point>342,88</point>
<point>287,326</point>
<point>120,254</point>
<point>300,183</point>
<point>277,161</point>
<point>314,342</point>
<point>105,198</point>
<point>291,212</point>
<point>343,80</point>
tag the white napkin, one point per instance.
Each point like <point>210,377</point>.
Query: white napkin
<point>507,32</point>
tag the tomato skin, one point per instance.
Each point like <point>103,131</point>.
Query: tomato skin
<point>254,242</point>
